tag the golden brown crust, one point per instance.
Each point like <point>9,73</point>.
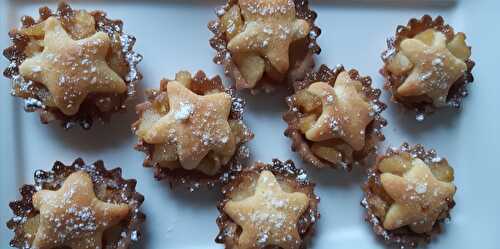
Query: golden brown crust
<point>284,172</point>
<point>392,82</point>
<point>301,52</point>
<point>374,194</point>
<point>373,132</point>
<point>97,106</point>
<point>200,85</point>
<point>108,185</point>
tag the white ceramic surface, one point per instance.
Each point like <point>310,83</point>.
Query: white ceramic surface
<point>172,35</point>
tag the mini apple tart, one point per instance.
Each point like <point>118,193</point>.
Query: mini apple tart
<point>72,65</point>
<point>408,194</point>
<point>334,118</point>
<point>427,65</point>
<point>261,43</point>
<point>191,130</point>
<point>80,206</point>
<point>268,206</point>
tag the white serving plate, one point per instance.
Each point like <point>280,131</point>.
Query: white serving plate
<point>172,35</point>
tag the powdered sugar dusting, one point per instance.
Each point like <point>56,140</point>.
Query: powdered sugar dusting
<point>185,110</point>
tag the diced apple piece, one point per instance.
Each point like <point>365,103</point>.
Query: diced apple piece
<point>183,77</point>
<point>31,225</point>
<point>346,151</point>
<point>149,118</point>
<point>427,36</point>
<point>238,129</point>
<point>458,47</point>
<point>399,64</point>
<point>116,58</point>
<point>251,67</point>
<point>379,206</point>
<point>48,99</point>
<point>165,152</point>
<point>286,186</point>
<point>305,123</point>
<point>396,164</point>
<point>307,100</point>
<point>238,132</point>
<point>81,26</point>
<point>327,153</point>
<point>169,164</point>
<point>442,171</point>
<point>340,146</point>
<point>209,166</point>
<point>33,47</point>
<point>226,151</point>
<point>232,22</point>
<point>358,85</point>
<point>273,73</point>
<point>160,103</point>
<point>37,30</point>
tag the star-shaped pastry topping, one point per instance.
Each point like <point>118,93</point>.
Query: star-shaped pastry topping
<point>419,198</point>
<point>270,216</point>
<point>196,124</point>
<point>73,216</point>
<point>72,69</point>
<point>270,27</point>
<point>345,113</point>
<point>435,68</point>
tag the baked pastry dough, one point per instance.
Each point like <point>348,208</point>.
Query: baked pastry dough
<point>272,39</point>
<point>78,206</point>
<point>73,216</point>
<point>334,117</point>
<point>408,193</point>
<point>72,65</point>
<point>270,215</point>
<point>191,126</point>
<point>428,65</point>
<point>267,205</point>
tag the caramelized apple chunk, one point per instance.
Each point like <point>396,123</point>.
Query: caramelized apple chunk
<point>252,67</point>
<point>395,164</point>
<point>183,77</point>
<point>443,171</point>
<point>36,31</point>
<point>399,64</point>
<point>307,100</point>
<point>327,153</point>
<point>305,123</point>
<point>458,47</point>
